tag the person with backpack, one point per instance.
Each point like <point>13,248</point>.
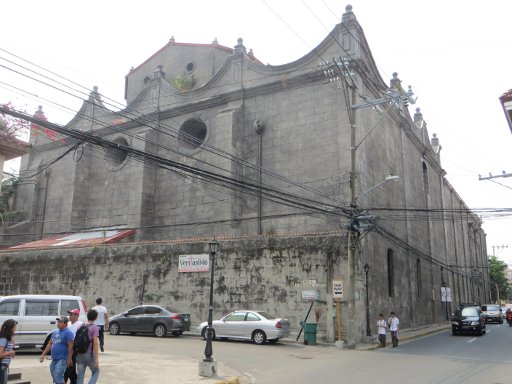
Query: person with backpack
<point>6,348</point>
<point>61,346</point>
<point>74,326</point>
<point>86,344</point>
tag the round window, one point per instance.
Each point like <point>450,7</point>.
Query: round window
<point>192,134</point>
<point>117,156</point>
<point>190,67</point>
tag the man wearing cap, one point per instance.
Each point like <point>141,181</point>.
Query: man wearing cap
<point>73,326</point>
<point>61,346</point>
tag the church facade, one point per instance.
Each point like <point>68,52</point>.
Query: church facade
<point>214,143</point>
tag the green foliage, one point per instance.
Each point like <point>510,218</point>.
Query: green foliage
<point>184,82</point>
<point>497,274</point>
<point>6,199</point>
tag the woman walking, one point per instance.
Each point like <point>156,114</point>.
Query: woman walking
<point>6,348</point>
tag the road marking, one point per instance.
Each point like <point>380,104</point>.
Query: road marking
<point>473,339</point>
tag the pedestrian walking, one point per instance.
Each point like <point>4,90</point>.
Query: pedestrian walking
<point>6,348</point>
<point>381,326</point>
<point>61,347</point>
<point>89,358</point>
<point>101,321</point>
<point>393,328</point>
<point>73,326</point>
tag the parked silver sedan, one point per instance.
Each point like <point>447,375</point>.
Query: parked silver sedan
<point>154,319</point>
<point>248,325</point>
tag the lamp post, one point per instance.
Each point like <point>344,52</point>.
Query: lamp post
<point>208,350</point>
<point>366,269</point>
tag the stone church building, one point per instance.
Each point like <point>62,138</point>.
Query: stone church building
<point>304,172</point>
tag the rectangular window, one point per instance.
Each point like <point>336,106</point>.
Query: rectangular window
<point>68,305</point>
<point>42,308</point>
<point>10,307</point>
<point>391,274</point>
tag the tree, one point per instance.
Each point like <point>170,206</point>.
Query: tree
<point>6,199</point>
<point>497,274</point>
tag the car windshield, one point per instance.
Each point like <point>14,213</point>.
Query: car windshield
<point>490,308</point>
<point>469,312</point>
<point>172,310</point>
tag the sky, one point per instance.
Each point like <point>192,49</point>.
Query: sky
<point>455,54</point>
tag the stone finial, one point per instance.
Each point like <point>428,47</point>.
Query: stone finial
<point>251,53</point>
<point>348,15</point>
<point>95,96</point>
<point>418,119</point>
<point>215,41</point>
<point>240,47</point>
<point>39,110</point>
<point>158,73</point>
<point>434,142</point>
<point>395,83</point>
<point>171,40</point>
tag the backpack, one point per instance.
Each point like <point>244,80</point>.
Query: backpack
<point>82,341</point>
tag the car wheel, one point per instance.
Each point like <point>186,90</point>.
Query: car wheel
<point>454,332</point>
<point>259,337</point>
<point>176,333</point>
<point>205,335</point>
<point>160,330</point>
<point>114,329</point>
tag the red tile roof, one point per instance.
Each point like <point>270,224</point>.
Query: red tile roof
<point>80,239</point>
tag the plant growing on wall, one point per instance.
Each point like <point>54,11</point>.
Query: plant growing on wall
<point>6,199</point>
<point>184,82</point>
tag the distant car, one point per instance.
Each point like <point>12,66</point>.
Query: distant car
<point>248,325</point>
<point>468,320</point>
<point>155,319</point>
<point>492,313</point>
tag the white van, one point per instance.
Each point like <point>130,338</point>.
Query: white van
<point>36,315</point>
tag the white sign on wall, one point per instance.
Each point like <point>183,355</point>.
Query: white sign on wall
<point>446,294</point>
<point>337,289</point>
<point>194,263</point>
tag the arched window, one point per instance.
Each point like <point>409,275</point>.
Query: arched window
<point>426,186</point>
<point>418,277</point>
<point>391,274</point>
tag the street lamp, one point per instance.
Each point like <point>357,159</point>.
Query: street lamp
<point>366,269</point>
<point>388,178</point>
<point>208,350</point>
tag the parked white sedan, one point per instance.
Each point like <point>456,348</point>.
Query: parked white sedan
<point>248,325</point>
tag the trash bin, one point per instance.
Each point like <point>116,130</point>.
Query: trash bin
<point>309,333</point>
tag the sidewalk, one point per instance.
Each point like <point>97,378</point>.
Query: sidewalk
<point>406,334</point>
<point>130,367</point>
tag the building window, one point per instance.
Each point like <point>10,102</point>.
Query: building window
<point>391,274</point>
<point>192,134</point>
<point>426,187</point>
<point>115,156</point>
<point>418,277</point>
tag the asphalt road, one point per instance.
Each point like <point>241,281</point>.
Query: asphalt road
<point>439,358</point>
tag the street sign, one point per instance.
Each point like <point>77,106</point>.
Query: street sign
<point>337,289</point>
<point>310,295</point>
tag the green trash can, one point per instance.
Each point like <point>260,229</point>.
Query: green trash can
<point>309,333</point>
